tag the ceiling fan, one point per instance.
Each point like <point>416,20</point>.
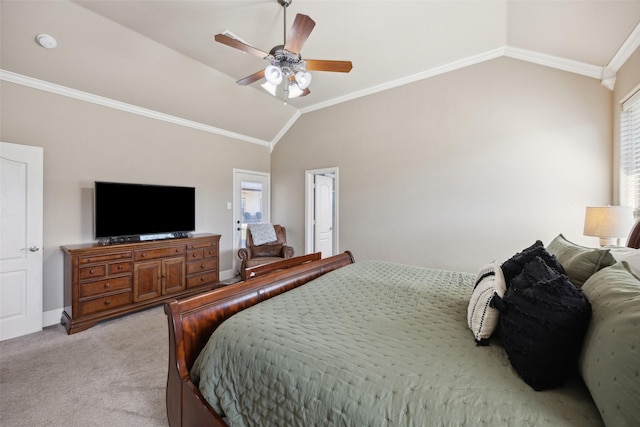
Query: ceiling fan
<point>285,62</point>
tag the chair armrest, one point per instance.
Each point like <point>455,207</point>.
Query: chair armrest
<point>244,253</point>
<point>287,251</point>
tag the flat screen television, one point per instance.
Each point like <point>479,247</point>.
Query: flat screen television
<point>142,211</point>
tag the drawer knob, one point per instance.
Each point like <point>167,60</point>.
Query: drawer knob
<point>143,255</point>
<point>107,302</point>
<point>92,271</point>
<point>106,285</point>
<point>120,267</point>
<point>202,266</point>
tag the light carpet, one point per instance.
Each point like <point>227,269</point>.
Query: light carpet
<point>113,374</point>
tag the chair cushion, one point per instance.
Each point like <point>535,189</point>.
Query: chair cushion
<point>266,251</point>
<point>579,262</point>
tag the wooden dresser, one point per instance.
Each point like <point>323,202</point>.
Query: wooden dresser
<point>102,282</point>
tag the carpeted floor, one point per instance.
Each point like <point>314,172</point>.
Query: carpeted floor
<point>113,374</point>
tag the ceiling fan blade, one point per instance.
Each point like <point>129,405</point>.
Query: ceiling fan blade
<point>305,92</point>
<point>252,78</point>
<point>231,42</point>
<point>327,65</point>
<point>302,27</point>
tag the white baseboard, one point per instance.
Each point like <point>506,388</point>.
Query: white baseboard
<point>226,274</point>
<point>51,317</point>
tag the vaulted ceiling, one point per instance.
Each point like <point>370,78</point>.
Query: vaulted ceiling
<point>159,57</point>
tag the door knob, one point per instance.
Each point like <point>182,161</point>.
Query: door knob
<point>33,248</point>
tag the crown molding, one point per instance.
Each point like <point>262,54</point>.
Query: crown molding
<point>122,106</point>
<point>456,65</point>
<point>626,50</point>
<point>576,67</point>
<point>284,130</point>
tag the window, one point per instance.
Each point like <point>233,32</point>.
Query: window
<point>630,153</point>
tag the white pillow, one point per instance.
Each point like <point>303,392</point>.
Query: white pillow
<point>630,255</point>
<point>482,318</point>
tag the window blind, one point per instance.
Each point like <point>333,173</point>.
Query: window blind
<point>630,153</point>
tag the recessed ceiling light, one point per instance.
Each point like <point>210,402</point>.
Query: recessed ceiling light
<point>46,41</point>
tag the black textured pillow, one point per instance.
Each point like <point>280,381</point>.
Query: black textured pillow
<point>542,325</point>
<point>533,272</point>
<point>514,265</point>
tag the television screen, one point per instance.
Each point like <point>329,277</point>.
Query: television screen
<point>122,209</point>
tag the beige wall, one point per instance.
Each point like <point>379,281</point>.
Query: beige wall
<point>448,172</point>
<point>456,170</point>
<point>627,83</point>
<point>84,142</point>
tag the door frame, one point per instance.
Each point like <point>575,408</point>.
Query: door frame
<point>236,211</point>
<point>309,208</point>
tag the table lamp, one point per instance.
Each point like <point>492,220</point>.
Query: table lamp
<point>608,223</point>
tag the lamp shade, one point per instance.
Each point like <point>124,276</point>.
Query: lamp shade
<point>608,222</point>
<point>273,75</point>
<point>271,88</point>
<point>294,91</point>
<point>303,79</point>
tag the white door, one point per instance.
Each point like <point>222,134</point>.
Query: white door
<point>324,215</point>
<point>321,211</point>
<point>251,204</point>
<point>21,212</point>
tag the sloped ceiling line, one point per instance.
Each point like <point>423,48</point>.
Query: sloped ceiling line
<point>606,74</point>
<point>621,56</point>
<point>123,106</point>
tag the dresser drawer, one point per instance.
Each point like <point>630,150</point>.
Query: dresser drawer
<point>105,303</point>
<point>93,272</point>
<point>202,245</point>
<point>198,267</point>
<point>159,253</point>
<point>120,267</point>
<point>103,286</point>
<point>104,257</point>
<point>211,253</point>
<point>203,279</point>
<point>195,255</point>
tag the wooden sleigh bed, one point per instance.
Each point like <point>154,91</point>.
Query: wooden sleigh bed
<point>193,320</point>
<point>493,390</point>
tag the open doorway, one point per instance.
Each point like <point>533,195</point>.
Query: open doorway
<point>321,211</point>
<point>251,204</point>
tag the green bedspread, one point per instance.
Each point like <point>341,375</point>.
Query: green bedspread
<point>373,344</point>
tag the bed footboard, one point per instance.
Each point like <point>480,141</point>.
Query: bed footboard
<point>193,320</point>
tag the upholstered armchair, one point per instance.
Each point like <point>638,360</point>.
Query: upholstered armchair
<point>265,253</point>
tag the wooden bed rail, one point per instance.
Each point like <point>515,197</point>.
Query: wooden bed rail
<point>193,320</point>
<point>264,269</point>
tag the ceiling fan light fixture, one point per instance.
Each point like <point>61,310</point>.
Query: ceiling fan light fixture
<point>294,91</point>
<point>273,74</point>
<point>303,78</point>
<point>269,87</point>
<point>285,61</point>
